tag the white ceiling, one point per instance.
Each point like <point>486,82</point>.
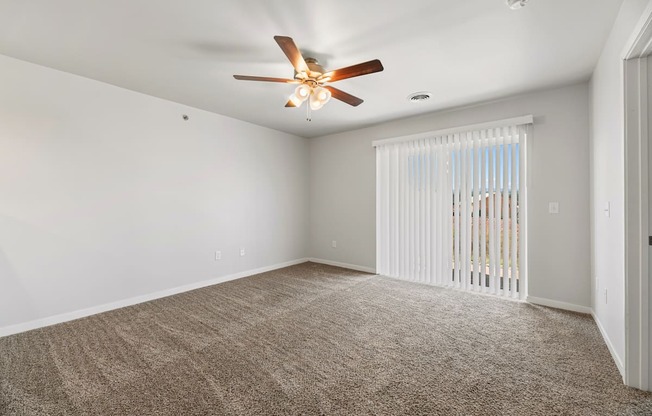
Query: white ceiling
<point>186,51</point>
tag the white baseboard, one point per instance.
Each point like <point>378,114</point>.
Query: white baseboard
<point>583,309</point>
<point>70,316</point>
<point>612,350</point>
<point>559,305</point>
<point>344,265</point>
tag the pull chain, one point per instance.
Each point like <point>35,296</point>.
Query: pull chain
<point>308,115</point>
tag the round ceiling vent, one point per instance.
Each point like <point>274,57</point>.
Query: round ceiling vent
<point>419,96</point>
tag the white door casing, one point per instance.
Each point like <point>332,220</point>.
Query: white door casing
<point>649,206</point>
<point>638,218</point>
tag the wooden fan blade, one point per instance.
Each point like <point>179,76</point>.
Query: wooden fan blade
<point>344,96</point>
<point>292,52</point>
<point>266,79</point>
<point>290,104</point>
<point>354,71</point>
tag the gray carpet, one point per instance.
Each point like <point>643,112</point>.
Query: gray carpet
<point>314,339</point>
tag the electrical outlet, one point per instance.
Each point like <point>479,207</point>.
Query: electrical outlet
<point>242,252</point>
<point>334,244</point>
<point>218,255</point>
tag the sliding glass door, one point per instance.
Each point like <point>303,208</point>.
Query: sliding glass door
<point>451,209</point>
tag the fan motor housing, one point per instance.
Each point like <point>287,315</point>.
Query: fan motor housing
<point>314,70</point>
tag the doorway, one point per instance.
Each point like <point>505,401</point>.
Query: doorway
<point>638,207</point>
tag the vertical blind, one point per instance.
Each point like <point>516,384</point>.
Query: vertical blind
<point>451,207</point>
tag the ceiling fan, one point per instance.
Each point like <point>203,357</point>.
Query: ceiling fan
<point>313,78</point>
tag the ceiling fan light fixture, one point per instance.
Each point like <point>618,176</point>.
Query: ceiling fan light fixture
<point>302,92</point>
<point>323,94</point>
<point>319,97</point>
<point>516,4</point>
<point>315,104</point>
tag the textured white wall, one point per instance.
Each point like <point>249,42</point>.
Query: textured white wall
<point>107,194</point>
<point>608,180</point>
<point>342,203</point>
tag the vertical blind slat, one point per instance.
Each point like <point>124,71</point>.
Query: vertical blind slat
<point>505,214</point>
<point>412,205</point>
<point>469,212</point>
<point>476,212</point>
<point>446,201</point>
<point>424,224</point>
<point>395,206</point>
<point>419,227</point>
<point>435,204</point>
<point>458,213</point>
<point>523,146</point>
<point>462,209</point>
<point>402,214</point>
<point>497,214</point>
<point>482,162</point>
<point>426,209</point>
<point>465,213</point>
<point>513,220</point>
<point>492,232</point>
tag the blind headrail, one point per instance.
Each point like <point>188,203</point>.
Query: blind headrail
<point>516,121</point>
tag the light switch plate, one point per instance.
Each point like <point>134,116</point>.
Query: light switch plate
<point>553,207</point>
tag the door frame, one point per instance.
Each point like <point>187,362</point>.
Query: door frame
<point>638,326</point>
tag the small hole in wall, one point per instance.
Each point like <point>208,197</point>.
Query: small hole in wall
<point>185,117</point>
